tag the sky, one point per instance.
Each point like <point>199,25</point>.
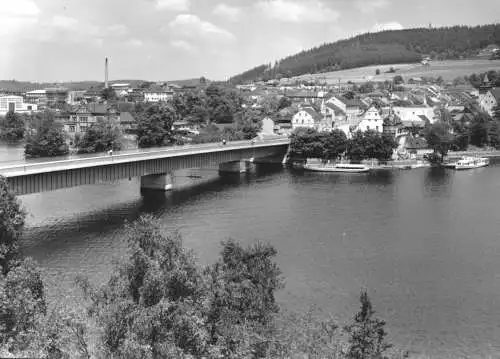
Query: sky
<point>158,40</point>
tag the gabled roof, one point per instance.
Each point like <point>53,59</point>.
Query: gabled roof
<point>415,143</point>
<point>352,103</point>
<point>336,109</point>
<point>316,116</point>
<point>496,93</point>
<point>126,117</point>
<point>424,118</point>
<point>413,123</point>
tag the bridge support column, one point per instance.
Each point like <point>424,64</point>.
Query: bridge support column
<point>159,182</point>
<point>235,167</point>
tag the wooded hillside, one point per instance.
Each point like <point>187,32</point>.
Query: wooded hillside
<point>388,47</point>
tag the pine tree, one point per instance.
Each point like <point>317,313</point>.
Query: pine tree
<point>367,335</point>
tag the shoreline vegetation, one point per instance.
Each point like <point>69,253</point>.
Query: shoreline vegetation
<point>159,302</point>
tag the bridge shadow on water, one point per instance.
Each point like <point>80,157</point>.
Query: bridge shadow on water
<point>157,203</point>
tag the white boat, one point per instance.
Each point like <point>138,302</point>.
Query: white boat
<point>467,163</point>
<point>346,167</point>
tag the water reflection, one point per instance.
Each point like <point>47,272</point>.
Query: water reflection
<point>438,182</point>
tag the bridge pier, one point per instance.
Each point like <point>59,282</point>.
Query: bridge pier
<point>241,166</point>
<point>159,182</point>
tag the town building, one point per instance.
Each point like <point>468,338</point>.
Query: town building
<point>490,100</point>
<point>371,119</point>
<point>306,117</point>
<point>15,104</point>
<point>158,94</point>
<point>38,97</point>
<point>121,89</point>
<point>75,97</point>
<point>415,113</point>
<point>84,116</point>
<point>56,97</point>
<point>268,126</point>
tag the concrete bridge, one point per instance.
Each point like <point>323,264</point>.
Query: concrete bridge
<point>154,166</point>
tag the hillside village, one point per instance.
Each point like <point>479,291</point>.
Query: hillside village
<point>398,107</point>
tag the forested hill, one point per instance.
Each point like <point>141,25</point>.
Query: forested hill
<point>387,47</point>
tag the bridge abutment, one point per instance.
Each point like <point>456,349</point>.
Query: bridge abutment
<point>241,166</point>
<point>159,182</point>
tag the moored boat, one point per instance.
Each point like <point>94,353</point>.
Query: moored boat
<point>467,163</point>
<point>340,167</point>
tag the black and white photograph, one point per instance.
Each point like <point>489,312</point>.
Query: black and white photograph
<point>250,179</point>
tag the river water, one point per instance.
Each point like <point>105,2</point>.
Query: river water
<point>425,243</point>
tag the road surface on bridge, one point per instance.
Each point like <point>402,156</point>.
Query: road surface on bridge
<point>26,167</point>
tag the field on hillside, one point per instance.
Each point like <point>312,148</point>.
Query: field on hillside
<point>448,70</point>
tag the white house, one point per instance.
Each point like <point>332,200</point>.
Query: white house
<point>371,119</point>
<point>157,94</point>
<point>490,100</point>
<point>415,113</point>
<point>15,104</point>
<point>121,89</point>
<point>306,117</point>
<point>267,126</point>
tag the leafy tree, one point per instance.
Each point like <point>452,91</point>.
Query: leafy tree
<point>479,129</point>
<point>367,87</point>
<point>249,123</point>
<point>192,106</point>
<point>22,301</point>
<point>306,143</point>
<point>367,334</point>
<point>334,144</point>
<point>100,137</point>
<point>222,104</point>
<point>284,102</point>
<point>154,126</point>
<point>108,94</point>
<point>13,127</point>
<point>12,218</point>
<point>398,79</point>
<point>371,144</point>
<point>48,139</point>
<point>242,287</point>
<point>439,138</point>
<point>462,135</point>
<point>153,301</point>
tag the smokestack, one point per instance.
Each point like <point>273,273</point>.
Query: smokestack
<point>106,73</point>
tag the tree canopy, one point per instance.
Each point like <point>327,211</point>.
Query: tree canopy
<point>371,144</point>
<point>12,218</point>
<point>155,125</point>
<point>386,47</point>
<point>100,137</point>
<point>47,139</point>
<point>160,301</point>
<point>12,127</point>
<point>439,138</point>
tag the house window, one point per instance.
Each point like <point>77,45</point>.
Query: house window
<point>376,127</point>
<point>30,108</point>
<point>71,128</point>
<point>83,128</point>
<point>84,119</point>
<point>368,128</point>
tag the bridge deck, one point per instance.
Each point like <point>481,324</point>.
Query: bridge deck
<point>23,168</point>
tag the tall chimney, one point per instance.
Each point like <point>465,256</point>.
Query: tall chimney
<point>106,73</point>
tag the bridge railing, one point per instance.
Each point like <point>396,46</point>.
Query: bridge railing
<point>140,154</point>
